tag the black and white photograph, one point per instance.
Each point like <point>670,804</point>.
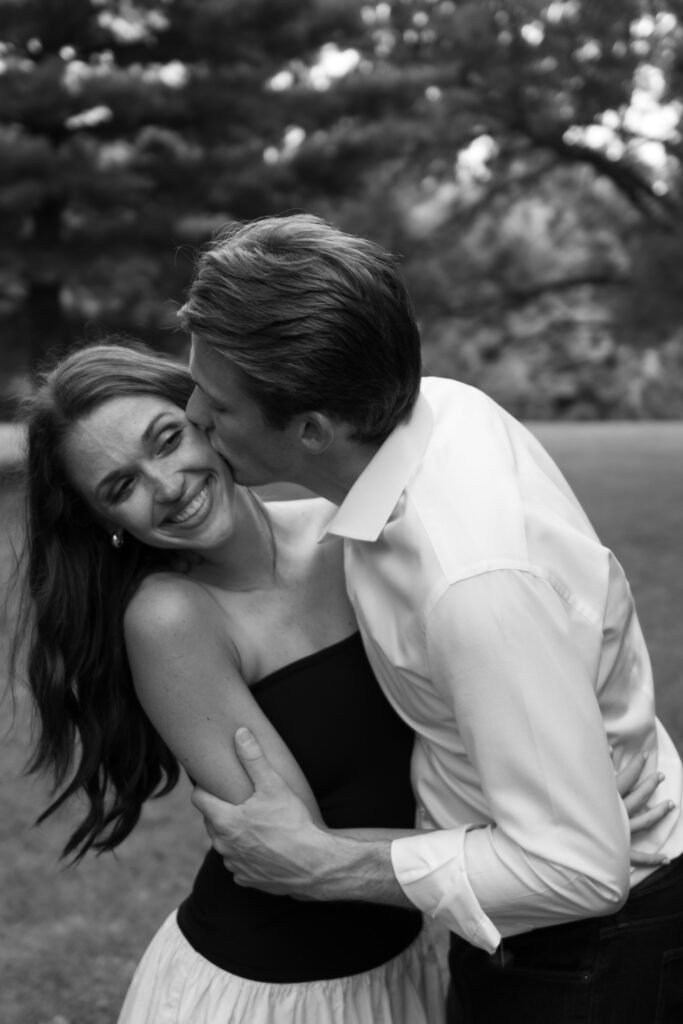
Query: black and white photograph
<point>341,488</point>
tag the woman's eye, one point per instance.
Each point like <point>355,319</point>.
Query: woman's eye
<point>170,440</point>
<point>122,490</point>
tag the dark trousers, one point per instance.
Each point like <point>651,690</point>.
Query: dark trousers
<point>625,968</point>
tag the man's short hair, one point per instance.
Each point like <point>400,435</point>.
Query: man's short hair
<point>314,318</point>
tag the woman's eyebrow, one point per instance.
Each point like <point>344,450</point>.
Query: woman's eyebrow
<point>146,437</point>
<point>151,426</point>
<point>106,481</point>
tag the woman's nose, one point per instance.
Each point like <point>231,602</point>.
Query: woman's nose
<point>168,486</point>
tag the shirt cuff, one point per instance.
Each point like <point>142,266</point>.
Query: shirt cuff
<point>432,872</point>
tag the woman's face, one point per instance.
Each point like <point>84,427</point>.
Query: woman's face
<point>144,468</point>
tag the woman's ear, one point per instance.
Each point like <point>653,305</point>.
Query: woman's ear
<point>111,530</point>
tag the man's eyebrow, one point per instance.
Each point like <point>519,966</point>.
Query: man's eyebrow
<point>146,437</point>
<point>213,397</point>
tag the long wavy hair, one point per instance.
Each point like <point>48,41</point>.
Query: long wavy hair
<point>91,733</point>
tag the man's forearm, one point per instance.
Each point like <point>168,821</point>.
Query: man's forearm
<point>351,864</point>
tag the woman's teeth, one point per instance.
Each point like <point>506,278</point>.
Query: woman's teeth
<point>190,510</point>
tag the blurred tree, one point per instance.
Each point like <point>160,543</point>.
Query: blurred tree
<point>451,104</point>
<point>513,149</point>
<point>128,128</point>
<point>527,157</point>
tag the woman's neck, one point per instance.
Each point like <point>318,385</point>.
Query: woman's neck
<point>247,559</point>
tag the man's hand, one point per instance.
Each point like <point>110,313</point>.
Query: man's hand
<point>271,841</point>
<point>635,789</point>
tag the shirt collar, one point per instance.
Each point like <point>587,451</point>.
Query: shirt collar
<point>367,507</point>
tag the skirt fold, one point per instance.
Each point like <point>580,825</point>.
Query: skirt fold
<point>173,984</point>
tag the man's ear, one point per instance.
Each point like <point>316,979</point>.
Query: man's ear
<point>317,432</point>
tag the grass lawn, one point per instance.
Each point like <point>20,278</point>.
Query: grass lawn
<point>71,937</point>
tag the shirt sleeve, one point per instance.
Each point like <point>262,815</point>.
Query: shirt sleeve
<point>516,661</point>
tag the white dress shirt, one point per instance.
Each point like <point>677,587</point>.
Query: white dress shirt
<point>505,634</point>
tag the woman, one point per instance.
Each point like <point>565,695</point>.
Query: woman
<point>139,664</point>
<point>168,606</point>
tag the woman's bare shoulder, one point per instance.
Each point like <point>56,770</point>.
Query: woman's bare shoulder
<point>169,602</point>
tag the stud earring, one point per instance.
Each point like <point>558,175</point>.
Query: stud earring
<point>117,539</point>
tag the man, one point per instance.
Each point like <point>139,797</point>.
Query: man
<point>500,628</point>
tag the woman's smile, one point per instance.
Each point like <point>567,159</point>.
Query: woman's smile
<point>192,512</point>
<point>152,474</point>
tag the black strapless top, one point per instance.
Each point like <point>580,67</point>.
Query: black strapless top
<point>355,753</point>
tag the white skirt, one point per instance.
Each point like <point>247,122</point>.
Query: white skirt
<point>175,985</point>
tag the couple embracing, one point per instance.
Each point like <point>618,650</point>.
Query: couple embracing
<point>494,781</point>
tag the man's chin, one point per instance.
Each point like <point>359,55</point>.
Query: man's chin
<point>228,463</point>
<point>241,477</point>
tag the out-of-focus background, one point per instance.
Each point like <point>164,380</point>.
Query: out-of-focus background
<point>523,157</point>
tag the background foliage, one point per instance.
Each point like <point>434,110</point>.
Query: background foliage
<point>523,156</point>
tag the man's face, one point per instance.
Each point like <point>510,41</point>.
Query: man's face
<point>221,405</point>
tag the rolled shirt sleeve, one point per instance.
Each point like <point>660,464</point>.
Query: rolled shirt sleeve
<point>518,662</point>
<point>432,872</point>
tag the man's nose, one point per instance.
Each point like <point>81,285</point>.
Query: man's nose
<point>196,411</point>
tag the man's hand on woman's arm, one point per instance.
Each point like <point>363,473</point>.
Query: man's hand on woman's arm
<point>271,842</point>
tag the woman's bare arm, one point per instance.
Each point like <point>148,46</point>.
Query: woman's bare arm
<point>186,675</point>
